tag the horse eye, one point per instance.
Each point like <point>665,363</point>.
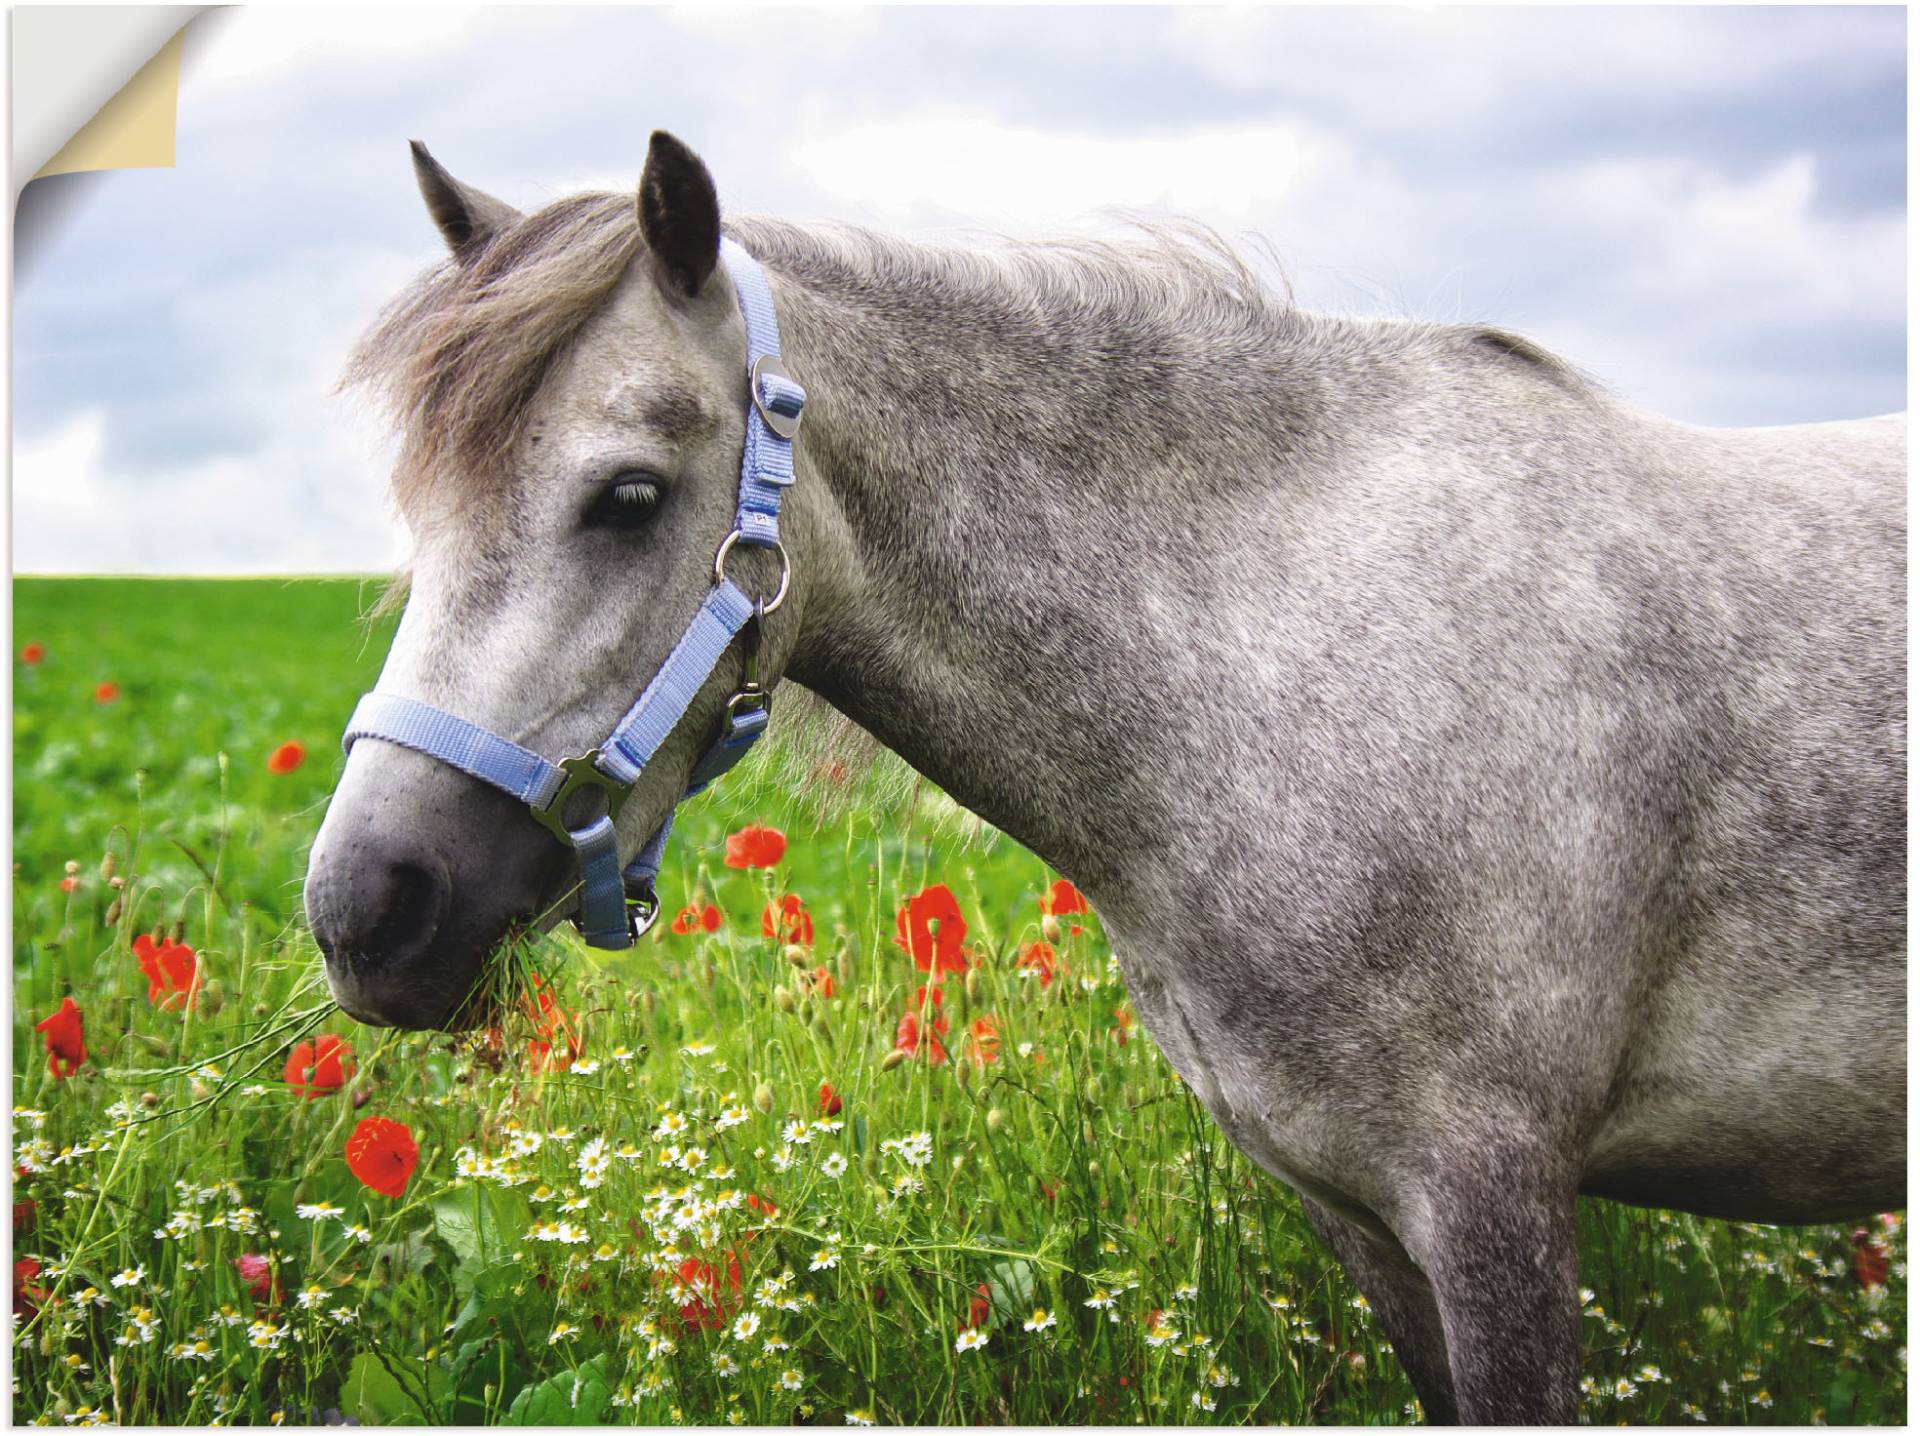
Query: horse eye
<point>626,503</point>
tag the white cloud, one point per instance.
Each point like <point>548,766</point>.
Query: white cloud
<point>979,166</point>
<point>243,46</point>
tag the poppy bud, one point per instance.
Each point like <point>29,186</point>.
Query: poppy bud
<point>893,1059</point>
<point>362,1095</point>
<point>113,912</point>
<point>1050,928</point>
<point>646,1002</point>
<point>260,1009</point>
<point>116,882</point>
<point>153,1044</point>
<point>763,1097</point>
<point>200,1090</point>
<point>711,976</point>
<point>960,1072</point>
<point>1093,1091</point>
<point>807,1010</point>
<point>149,1100</point>
<point>1086,1133</point>
<point>178,932</point>
<point>972,984</point>
<point>1093,1170</point>
<point>212,998</point>
<point>797,955</point>
<point>106,866</point>
<point>783,999</point>
<point>996,1119</point>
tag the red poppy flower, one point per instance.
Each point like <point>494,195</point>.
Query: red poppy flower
<point>542,1051</point>
<point>698,919</point>
<point>257,1272</point>
<point>756,847</point>
<point>823,984</point>
<point>1039,957</point>
<point>1870,1259</point>
<point>106,693</point>
<point>66,1047</point>
<point>383,1154</point>
<point>1063,898</point>
<point>788,920</point>
<point>286,758</point>
<point>171,969</point>
<point>980,1307</point>
<point>320,1067</point>
<point>67,885</point>
<point>710,1307</point>
<point>930,929</point>
<point>1123,1024</point>
<point>25,1213</point>
<point>983,1040</point>
<point>829,1101</point>
<point>32,654</point>
<point>906,1037</point>
<point>27,1298</point>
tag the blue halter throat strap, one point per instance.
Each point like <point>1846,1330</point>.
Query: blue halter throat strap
<point>617,906</point>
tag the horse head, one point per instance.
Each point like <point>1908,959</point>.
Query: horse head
<point>573,403</point>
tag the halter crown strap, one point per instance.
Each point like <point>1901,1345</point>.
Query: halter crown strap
<point>766,471</point>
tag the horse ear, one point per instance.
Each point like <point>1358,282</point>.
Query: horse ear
<point>679,214</point>
<point>467,217</point>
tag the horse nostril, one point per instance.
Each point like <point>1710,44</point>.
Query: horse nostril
<point>405,914</point>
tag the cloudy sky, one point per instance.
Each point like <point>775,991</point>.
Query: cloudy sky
<point>1706,208</point>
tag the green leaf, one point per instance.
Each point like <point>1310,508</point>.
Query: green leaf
<point>579,1397</point>
<point>1011,1287</point>
<point>481,1227</point>
<point>376,1397</point>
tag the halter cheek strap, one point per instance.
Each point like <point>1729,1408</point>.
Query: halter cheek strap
<point>616,905</point>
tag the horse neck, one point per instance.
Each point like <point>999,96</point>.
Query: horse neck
<point>996,484</point>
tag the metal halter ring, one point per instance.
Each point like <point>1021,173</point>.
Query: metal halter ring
<point>580,772</point>
<point>786,570</point>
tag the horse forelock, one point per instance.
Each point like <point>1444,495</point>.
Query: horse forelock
<point>456,359</point>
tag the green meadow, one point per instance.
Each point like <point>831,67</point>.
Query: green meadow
<point>704,1181</point>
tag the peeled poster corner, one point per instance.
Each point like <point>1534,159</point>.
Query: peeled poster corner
<point>95,88</point>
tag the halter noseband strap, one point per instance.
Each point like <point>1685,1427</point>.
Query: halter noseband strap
<point>616,907</point>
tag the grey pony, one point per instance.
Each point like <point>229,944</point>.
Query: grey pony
<point>1493,793</point>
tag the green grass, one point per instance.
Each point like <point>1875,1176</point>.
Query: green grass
<point>1072,1168</point>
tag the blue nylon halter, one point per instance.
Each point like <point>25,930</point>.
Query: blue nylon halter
<point>617,906</point>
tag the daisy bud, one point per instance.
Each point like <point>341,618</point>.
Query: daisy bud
<point>106,866</point>
<point>1050,928</point>
<point>797,955</point>
<point>763,1097</point>
<point>73,868</point>
<point>893,1059</point>
<point>783,999</point>
<point>996,1119</point>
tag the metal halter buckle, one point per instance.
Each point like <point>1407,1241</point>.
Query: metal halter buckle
<point>642,913</point>
<point>786,570</point>
<point>580,773</point>
<point>785,425</point>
